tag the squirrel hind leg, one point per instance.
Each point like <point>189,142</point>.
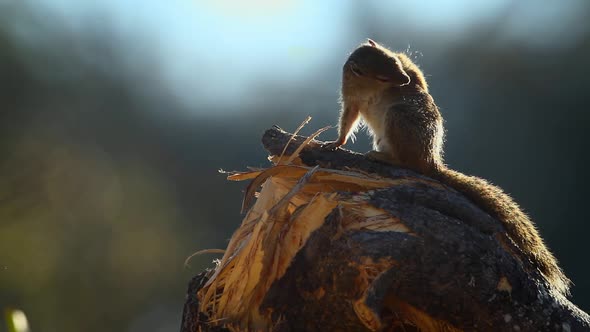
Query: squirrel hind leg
<point>382,157</point>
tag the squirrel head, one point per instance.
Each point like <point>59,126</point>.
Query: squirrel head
<point>372,67</point>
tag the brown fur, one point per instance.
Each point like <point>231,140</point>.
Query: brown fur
<point>407,130</point>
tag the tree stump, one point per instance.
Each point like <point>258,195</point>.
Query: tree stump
<point>337,242</point>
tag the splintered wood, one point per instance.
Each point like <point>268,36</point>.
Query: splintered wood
<point>342,248</point>
<point>293,202</point>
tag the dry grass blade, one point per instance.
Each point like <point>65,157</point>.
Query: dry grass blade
<point>306,121</point>
<point>202,252</point>
<point>307,140</point>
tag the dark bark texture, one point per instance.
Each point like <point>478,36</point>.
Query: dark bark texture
<point>451,268</point>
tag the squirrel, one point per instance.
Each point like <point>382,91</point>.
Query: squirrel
<point>391,95</point>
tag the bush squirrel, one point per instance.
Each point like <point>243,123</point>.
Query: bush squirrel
<point>391,95</point>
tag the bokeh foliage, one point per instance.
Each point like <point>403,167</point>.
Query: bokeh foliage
<point>108,182</point>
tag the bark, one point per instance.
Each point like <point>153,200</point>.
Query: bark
<point>445,269</point>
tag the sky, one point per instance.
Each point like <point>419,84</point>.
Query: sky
<point>225,46</point>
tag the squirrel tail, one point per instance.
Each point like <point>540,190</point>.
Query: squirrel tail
<point>519,227</point>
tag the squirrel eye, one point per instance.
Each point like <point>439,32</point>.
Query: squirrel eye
<point>355,69</point>
<point>382,78</point>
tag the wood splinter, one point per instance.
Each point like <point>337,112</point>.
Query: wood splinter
<point>338,242</point>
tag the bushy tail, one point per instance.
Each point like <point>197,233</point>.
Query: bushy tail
<point>518,225</point>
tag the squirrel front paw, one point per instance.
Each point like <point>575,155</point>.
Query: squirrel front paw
<point>333,145</point>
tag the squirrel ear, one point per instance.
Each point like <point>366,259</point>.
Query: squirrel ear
<point>371,42</point>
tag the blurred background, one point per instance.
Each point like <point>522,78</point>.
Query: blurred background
<point>116,115</point>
